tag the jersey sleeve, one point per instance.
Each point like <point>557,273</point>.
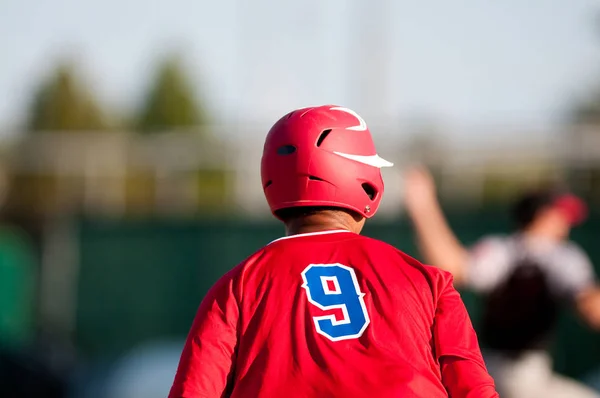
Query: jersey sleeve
<point>573,271</point>
<point>489,260</point>
<point>456,347</point>
<point>207,362</point>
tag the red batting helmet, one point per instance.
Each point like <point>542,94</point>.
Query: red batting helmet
<point>322,156</point>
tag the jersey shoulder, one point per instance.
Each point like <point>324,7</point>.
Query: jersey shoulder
<point>492,246</point>
<point>251,260</point>
<point>402,258</point>
<point>572,249</point>
<point>236,273</point>
<point>493,241</point>
<point>579,263</point>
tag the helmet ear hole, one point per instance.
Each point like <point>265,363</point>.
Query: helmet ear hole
<point>369,190</point>
<point>286,150</point>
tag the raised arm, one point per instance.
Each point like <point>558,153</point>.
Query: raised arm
<point>578,283</point>
<point>588,305</point>
<point>437,242</point>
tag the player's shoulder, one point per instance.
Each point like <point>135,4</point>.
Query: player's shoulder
<point>571,246</point>
<point>495,240</point>
<point>572,251</point>
<point>492,244</point>
<point>254,258</point>
<point>377,248</point>
<point>402,258</point>
<point>237,271</point>
<point>377,244</point>
<point>233,280</point>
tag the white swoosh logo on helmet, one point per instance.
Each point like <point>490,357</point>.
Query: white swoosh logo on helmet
<point>372,160</point>
<point>362,125</point>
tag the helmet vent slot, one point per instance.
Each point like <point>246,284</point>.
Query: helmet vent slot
<point>369,190</point>
<point>268,184</point>
<point>322,137</point>
<point>286,150</point>
<point>315,178</point>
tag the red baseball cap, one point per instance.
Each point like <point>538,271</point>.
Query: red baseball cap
<point>573,207</point>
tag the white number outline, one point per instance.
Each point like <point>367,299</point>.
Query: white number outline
<point>346,319</point>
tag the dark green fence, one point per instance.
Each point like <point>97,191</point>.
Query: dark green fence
<point>142,280</point>
<point>18,268</point>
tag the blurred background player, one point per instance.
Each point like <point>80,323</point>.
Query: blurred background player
<point>524,276</point>
<point>325,311</point>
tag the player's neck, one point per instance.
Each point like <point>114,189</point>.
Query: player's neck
<point>320,223</point>
<point>312,229</point>
<point>542,235</point>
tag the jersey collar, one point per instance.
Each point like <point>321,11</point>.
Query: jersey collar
<point>333,231</point>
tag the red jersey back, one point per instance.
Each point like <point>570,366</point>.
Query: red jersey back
<point>332,314</point>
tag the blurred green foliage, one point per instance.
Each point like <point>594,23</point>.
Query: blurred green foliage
<point>171,103</point>
<point>63,103</point>
<point>52,174</point>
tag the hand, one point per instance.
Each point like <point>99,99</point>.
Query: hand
<point>419,189</point>
<point>588,304</point>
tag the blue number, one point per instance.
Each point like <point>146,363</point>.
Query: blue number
<point>334,286</point>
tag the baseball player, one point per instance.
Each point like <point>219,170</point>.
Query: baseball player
<point>525,278</point>
<point>324,311</point>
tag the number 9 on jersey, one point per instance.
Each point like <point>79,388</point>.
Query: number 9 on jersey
<point>334,286</point>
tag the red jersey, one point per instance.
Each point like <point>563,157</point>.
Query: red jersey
<point>332,314</point>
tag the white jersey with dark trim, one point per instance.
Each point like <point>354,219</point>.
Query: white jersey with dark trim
<point>493,259</point>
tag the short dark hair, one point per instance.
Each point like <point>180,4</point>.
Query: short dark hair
<point>528,206</point>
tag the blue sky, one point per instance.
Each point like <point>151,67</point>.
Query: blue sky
<point>463,62</point>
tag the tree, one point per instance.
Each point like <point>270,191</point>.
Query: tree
<point>170,102</point>
<point>62,104</point>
